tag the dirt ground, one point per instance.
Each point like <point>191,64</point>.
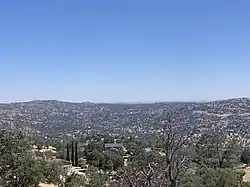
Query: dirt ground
<point>46,185</point>
<point>246,177</point>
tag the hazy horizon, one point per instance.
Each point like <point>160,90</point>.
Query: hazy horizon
<point>135,102</point>
<point>124,51</point>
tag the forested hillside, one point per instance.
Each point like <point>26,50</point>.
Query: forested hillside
<point>58,118</point>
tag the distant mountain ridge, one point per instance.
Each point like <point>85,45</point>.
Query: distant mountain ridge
<point>57,118</point>
<point>148,102</point>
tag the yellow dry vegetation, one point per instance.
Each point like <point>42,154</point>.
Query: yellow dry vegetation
<point>246,177</point>
<point>246,169</point>
<point>46,185</point>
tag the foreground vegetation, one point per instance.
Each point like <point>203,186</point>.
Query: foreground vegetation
<point>177,157</point>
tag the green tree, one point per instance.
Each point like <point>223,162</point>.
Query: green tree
<point>76,155</point>
<point>94,157</point>
<point>94,153</point>
<point>26,173</point>
<point>111,160</point>
<point>134,145</point>
<point>97,178</point>
<point>117,161</point>
<point>67,152</point>
<point>245,157</point>
<point>18,166</point>
<point>74,180</point>
<point>106,163</point>
<point>72,154</point>
<point>209,177</point>
<point>51,171</point>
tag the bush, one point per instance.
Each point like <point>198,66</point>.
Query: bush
<point>245,157</point>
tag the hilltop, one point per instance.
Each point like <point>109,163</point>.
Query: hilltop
<point>57,118</point>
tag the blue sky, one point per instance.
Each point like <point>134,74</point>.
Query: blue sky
<point>124,51</point>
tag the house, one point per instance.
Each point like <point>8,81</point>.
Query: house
<point>114,146</point>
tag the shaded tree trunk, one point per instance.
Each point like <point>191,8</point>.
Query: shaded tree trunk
<point>173,183</point>
<point>76,155</point>
<point>72,154</point>
<point>67,156</point>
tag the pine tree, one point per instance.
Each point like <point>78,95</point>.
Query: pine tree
<point>76,155</point>
<point>72,153</point>
<point>67,156</point>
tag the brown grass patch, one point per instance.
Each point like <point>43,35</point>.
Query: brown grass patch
<point>46,185</point>
<point>246,177</point>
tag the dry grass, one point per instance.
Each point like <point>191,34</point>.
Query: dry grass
<point>46,185</point>
<point>246,177</point>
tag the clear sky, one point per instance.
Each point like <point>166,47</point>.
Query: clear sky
<point>124,50</point>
